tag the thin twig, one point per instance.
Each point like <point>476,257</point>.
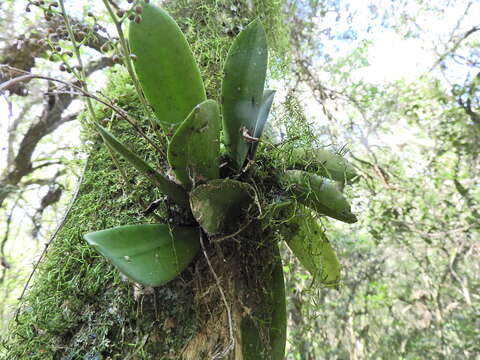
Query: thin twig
<point>230,346</point>
<point>126,56</point>
<point>82,77</point>
<point>5,239</point>
<point>234,234</point>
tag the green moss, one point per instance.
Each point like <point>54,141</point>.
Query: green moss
<point>78,298</point>
<point>219,22</point>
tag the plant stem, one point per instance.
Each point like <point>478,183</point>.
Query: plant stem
<point>76,49</point>
<point>83,84</point>
<point>128,61</point>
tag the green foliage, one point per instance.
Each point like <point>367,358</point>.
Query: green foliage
<point>308,242</point>
<point>194,150</point>
<point>242,89</point>
<point>324,163</point>
<point>410,292</point>
<point>150,254</point>
<point>74,319</point>
<point>165,66</point>
<point>222,208</point>
<point>413,260</point>
<point>317,193</point>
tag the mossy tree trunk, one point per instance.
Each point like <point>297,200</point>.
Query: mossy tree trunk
<point>79,307</point>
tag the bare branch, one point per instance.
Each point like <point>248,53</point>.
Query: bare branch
<point>51,197</point>
<point>23,51</point>
<point>455,46</point>
<point>50,119</point>
<point>3,260</point>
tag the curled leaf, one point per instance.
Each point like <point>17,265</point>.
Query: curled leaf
<point>263,113</point>
<point>194,149</point>
<point>318,194</point>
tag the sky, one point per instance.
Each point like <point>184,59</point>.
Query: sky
<point>393,56</point>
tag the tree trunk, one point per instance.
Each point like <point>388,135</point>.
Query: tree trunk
<point>79,307</point>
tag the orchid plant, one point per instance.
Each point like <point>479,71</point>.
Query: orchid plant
<point>154,254</point>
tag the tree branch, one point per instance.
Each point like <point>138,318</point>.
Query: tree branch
<point>24,50</point>
<point>50,119</point>
<point>455,46</point>
<point>467,106</point>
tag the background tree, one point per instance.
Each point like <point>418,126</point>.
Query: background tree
<point>409,285</point>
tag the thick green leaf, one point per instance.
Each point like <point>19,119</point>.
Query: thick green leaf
<point>194,150</point>
<point>310,245</point>
<point>220,205</point>
<point>165,185</point>
<point>307,241</point>
<point>317,193</point>
<point>242,88</point>
<point>272,313</point>
<point>323,163</point>
<point>165,66</point>
<point>263,113</point>
<point>151,254</point>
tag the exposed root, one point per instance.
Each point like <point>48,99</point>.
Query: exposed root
<point>226,351</point>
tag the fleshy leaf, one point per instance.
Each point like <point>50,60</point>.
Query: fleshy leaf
<point>165,185</point>
<point>195,148</point>
<point>165,66</point>
<point>220,205</point>
<point>318,194</point>
<point>272,313</point>
<point>263,113</point>
<point>323,163</point>
<point>310,245</point>
<point>242,89</point>
<point>150,254</point>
